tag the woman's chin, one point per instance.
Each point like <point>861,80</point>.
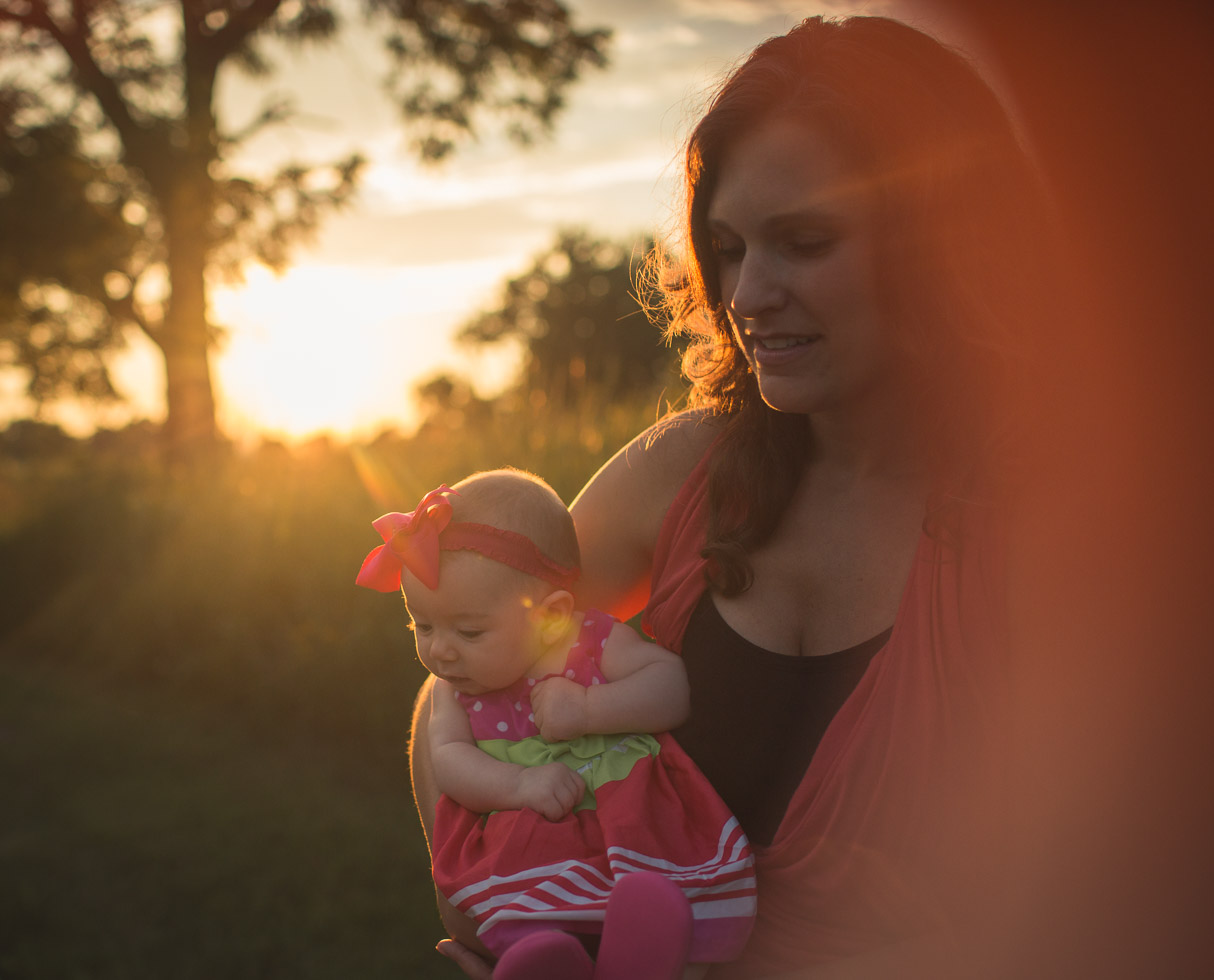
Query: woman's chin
<point>791,397</point>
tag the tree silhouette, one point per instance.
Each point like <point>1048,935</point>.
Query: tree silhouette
<point>56,324</point>
<point>581,314</point>
<point>118,201</point>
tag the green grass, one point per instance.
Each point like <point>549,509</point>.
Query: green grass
<point>203,721</point>
<point>145,836</point>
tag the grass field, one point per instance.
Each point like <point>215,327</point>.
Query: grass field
<point>142,836</point>
<point>203,722</point>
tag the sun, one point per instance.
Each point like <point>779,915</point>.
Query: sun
<point>300,350</point>
<point>338,349</point>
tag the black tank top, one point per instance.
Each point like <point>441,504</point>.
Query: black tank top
<point>757,716</point>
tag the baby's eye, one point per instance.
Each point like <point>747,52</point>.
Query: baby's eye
<point>422,629</point>
<point>470,634</point>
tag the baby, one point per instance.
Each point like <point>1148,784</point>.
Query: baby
<point>558,815</point>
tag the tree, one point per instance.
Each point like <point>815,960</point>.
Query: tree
<point>56,324</point>
<point>581,313</point>
<point>112,107</point>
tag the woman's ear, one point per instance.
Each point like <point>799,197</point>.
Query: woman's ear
<point>552,614</point>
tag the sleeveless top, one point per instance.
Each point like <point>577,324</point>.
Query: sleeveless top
<point>893,828</point>
<point>771,700</point>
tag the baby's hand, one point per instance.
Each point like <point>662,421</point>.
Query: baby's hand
<point>552,790</point>
<point>560,710</point>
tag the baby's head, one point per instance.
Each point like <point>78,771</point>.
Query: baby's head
<point>520,502</point>
<point>494,596</point>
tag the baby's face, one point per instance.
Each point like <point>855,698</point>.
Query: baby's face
<point>476,630</point>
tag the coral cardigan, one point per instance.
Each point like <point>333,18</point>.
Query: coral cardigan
<point>888,835</point>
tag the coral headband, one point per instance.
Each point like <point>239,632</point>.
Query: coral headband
<point>416,540</point>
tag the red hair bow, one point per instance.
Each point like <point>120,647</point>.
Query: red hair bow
<point>410,541</point>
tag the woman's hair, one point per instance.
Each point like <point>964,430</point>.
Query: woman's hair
<point>961,254</point>
<point>518,501</point>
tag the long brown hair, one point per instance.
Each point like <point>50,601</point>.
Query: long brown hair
<point>962,259</point>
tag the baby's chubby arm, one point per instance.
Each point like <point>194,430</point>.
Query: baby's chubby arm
<point>481,783</point>
<point>646,691</point>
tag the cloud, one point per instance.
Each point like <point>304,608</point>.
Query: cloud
<point>755,11</point>
<point>634,40</point>
<point>404,191</point>
<point>517,219</point>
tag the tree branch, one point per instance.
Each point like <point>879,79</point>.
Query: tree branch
<point>280,110</point>
<point>125,309</point>
<point>34,10</point>
<point>241,23</point>
<point>28,19</point>
<point>74,43</point>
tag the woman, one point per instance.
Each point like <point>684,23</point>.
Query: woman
<point>820,536</point>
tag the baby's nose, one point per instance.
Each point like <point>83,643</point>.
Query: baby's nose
<point>442,650</point>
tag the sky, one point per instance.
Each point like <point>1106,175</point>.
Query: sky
<point>366,311</point>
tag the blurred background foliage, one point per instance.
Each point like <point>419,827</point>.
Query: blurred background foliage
<point>119,168</point>
<point>204,722</point>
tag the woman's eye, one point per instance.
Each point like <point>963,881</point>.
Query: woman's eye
<point>810,246</point>
<point>728,252</point>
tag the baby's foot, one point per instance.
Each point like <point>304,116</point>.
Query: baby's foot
<point>646,931</point>
<point>548,955</point>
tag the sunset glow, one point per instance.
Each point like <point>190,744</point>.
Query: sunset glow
<point>339,349</point>
<point>339,342</point>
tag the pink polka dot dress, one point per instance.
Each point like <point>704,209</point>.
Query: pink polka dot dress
<point>646,807</point>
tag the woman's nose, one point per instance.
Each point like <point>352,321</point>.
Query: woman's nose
<point>757,288</point>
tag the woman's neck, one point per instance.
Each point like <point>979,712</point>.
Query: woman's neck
<point>868,438</point>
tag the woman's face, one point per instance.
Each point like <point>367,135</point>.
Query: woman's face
<point>794,233</point>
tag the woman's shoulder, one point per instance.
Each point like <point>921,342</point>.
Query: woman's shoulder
<point>645,476</point>
<point>666,452</point>
<point>619,513</point>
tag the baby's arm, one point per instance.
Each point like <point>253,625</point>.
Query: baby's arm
<point>481,783</point>
<point>646,691</point>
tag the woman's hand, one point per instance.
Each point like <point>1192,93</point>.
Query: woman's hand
<point>551,790</point>
<point>472,965</point>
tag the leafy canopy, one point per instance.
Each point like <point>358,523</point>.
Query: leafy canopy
<point>582,316</point>
<point>118,198</point>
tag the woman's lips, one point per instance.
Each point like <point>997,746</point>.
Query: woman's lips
<point>781,343</point>
<point>775,350</point>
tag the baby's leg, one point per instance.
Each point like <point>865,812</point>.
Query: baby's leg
<point>547,955</point>
<point>646,931</point>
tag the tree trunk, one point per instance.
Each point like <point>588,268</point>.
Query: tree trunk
<point>186,337</point>
<point>190,423</point>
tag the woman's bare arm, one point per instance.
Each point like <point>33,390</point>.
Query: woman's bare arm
<point>620,511</point>
<point>425,794</point>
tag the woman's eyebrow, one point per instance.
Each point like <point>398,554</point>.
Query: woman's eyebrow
<point>800,216</point>
<point>804,216</point>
